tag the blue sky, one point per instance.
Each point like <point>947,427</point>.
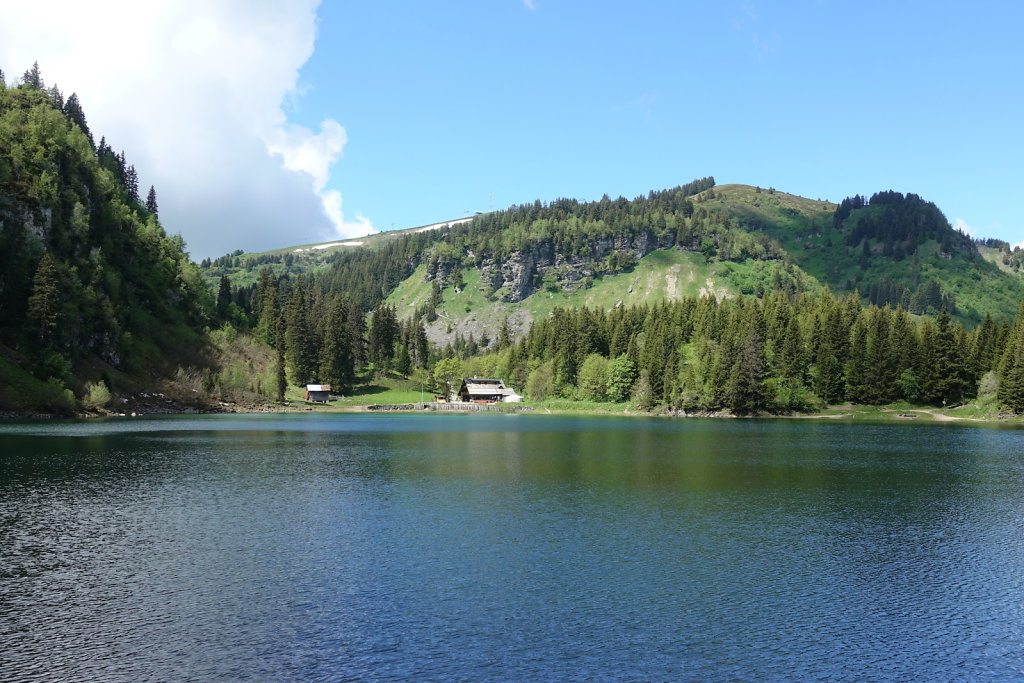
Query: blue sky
<point>458,106</point>
<point>266,123</point>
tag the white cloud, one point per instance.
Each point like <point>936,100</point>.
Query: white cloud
<point>961,225</point>
<point>193,92</point>
<point>530,4</point>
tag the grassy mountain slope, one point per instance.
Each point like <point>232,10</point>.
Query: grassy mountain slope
<point>732,239</point>
<point>878,265</point>
<point>662,275</point>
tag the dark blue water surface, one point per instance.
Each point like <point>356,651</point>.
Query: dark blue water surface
<point>501,547</point>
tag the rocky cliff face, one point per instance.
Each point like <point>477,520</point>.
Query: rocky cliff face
<point>522,273</point>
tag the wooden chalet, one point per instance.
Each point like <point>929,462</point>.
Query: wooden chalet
<point>483,390</point>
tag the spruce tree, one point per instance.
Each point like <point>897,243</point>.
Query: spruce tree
<point>224,298</point>
<point>151,204</point>
<point>827,375</point>
<point>744,390</point>
<point>131,183</point>
<point>402,359</point>
<point>420,345</point>
<point>282,379</point>
<point>953,382</point>
<point>504,334</point>
<point>858,370</point>
<point>301,345</point>
<point>73,111</point>
<point>384,331</point>
<point>335,359</point>
<point>44,301</point>
<point>32,79</point>
<point>1011,366</point>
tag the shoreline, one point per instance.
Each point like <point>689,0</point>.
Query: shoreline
<point>844,412</point>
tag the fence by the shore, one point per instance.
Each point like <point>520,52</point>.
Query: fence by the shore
<point>461,407</point>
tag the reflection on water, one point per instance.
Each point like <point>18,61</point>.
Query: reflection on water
<point>509,547</point>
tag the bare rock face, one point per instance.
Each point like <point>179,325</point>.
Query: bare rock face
<point>522,273</point>
<point>36,223</point>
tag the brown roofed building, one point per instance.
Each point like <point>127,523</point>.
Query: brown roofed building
<point>482,390</point>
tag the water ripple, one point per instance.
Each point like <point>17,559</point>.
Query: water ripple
<point>404,548</point>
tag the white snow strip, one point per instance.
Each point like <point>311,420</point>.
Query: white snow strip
<point>339,244</point>
<point>331,244</point>
<point>435,226</point>
<point>356,243</point>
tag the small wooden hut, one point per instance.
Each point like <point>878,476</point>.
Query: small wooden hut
<point>318,393</point>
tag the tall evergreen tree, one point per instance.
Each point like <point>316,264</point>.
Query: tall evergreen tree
<point>336,363</point>
<point>44,302</point>
<point>282,379</point>
<point>131,183</point>
<point>383,334</point>
<point>73,110</point>
<point>32,78</point>
<point>151,204</point>
<point>299,339</point>
<point>224,298</point>
<point>952,380</point>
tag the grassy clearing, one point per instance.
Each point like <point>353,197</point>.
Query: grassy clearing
<point>412,292</point>
<point>666,274</point>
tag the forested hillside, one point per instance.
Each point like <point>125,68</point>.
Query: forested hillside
<point>88,277</point>
<point>893,248</point>
<point>792,345</point>
<point>697,298</point>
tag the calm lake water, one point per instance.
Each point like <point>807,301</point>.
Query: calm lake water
<point>494,547</point>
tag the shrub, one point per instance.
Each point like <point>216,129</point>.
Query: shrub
<point>96,395</point>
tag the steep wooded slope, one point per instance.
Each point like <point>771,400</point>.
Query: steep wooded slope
<point>87,274</point>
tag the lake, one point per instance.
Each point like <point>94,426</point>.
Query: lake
<point>509,547</point>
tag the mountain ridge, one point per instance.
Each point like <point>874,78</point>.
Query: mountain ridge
<point>752,240</point>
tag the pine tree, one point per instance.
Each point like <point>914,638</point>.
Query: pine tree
<point>73,111</point>
<point>881,372</point>
<point>504,334</point>
<point>282,379</point>
<point>953,382</point>
<point>151,204</point>
<point>301,345</point>
<point>224,298</point>
<point>44,301</point>
<point>402,360</point>
<point>131,183</point>
<point>383,334</point>
<point>1011,366</point>
<point>744,391</point>
<point>336,366</point>
<point>56,97</point>
<point>32,79</point>
<point>858,371</point>
<point>827,375</point>
<point>420,345</point>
